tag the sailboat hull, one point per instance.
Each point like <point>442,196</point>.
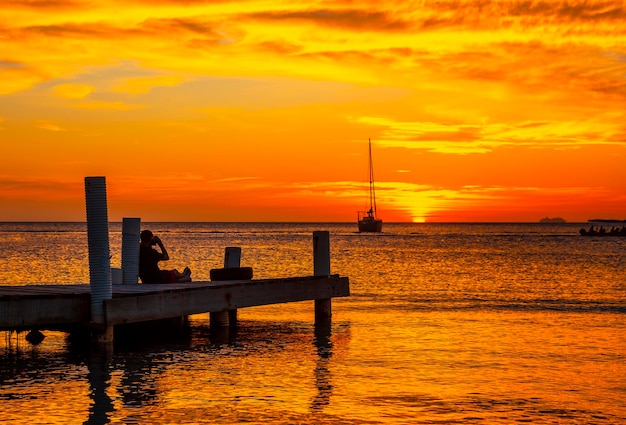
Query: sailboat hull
<point>371,225</point>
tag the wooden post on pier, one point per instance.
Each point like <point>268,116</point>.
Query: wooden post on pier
<point>321,267</point>
<point>232,258</point>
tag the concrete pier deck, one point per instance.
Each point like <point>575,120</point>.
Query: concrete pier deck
<point>68,306</point>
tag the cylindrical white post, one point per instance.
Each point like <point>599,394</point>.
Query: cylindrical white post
<point>98,244</point>
<point>131,227</point>
<point>321,267</point>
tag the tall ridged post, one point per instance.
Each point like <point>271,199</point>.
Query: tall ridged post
<point>321,267</point>
<point>99,252</point>
<point>131,227</point>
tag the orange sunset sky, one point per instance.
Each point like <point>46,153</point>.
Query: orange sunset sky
<point>251,110</point>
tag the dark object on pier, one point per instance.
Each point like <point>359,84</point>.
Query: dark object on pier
<point>232,273</point>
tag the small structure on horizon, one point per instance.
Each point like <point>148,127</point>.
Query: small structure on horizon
<point>552,220</point>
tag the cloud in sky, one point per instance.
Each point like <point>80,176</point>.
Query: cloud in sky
<point>48,125</point>
<point>454,94</point>
<point>72,91</point>
<point>114,106</point>
<point>351,19</point>
<point>472,40</point>
<point>145,84</point>
<point>482,138</point>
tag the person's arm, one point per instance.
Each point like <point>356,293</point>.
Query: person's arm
<point>162,247</point>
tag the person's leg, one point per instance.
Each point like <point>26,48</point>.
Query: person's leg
<point>168,276</point>
<point>184,273</point>
<point>185,276</point>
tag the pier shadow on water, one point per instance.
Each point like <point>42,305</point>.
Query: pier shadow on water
<point>323,381</point>
<point>126,381</point>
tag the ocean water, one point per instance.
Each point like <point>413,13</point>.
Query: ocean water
<point>446,324</point>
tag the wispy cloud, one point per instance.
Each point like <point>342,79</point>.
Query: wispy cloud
<point>234,179</point>
<point>12,187</point>
<point>112,105</point>
<point>353,19</point>
<point>145,84</point>
<point>42,4</point>
<point>455,138</point>
<point>49,125</point>
<point>16,76</point>
<point>72,91</point>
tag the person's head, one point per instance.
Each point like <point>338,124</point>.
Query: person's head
<point>146,237</point>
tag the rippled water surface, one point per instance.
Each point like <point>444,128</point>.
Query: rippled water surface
<point>447,323</point>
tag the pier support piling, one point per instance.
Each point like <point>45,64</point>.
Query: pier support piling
<point>321,267</point>
<point>228,318</point>
<point>232,258</point>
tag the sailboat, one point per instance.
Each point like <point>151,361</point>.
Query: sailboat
<point>368,221</point>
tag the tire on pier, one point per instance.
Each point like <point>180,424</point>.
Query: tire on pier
<point>232,273</point>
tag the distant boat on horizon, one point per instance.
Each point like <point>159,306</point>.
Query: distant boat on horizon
<point>613,231</point>
<point>368,220</point>
<point>552,220</point>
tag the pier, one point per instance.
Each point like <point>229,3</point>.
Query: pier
<point>114,297</point>
<point>67,307</point>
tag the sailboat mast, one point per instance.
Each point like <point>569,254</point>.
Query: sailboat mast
<point>372,190</point>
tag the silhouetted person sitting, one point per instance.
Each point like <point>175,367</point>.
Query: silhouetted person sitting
<point>149,258</point>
